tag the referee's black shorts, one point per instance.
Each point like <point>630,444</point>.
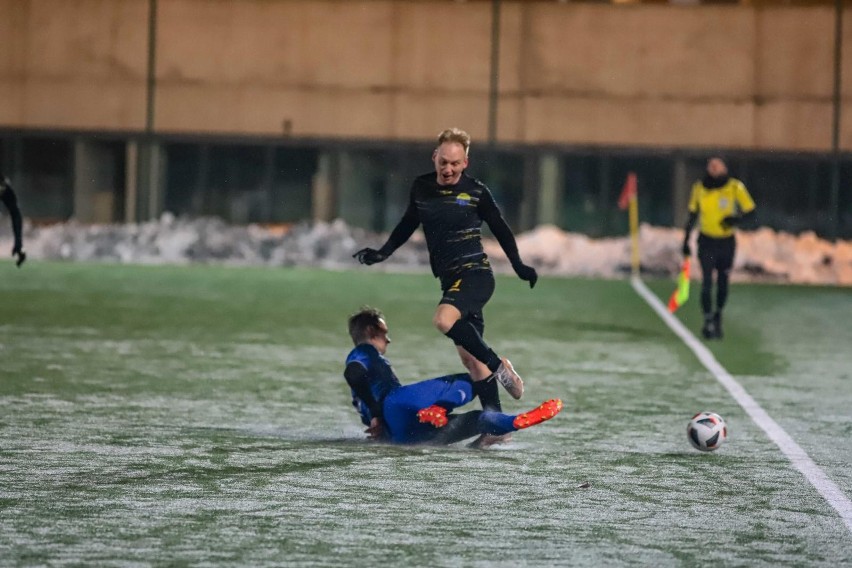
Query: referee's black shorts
<point>716,254</point>
<point>468,292</point>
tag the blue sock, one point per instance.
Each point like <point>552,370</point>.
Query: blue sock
<point>496,423</point>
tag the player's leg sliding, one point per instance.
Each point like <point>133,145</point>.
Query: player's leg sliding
<point>497,423</point>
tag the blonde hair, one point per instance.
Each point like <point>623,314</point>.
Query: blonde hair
<point>456,135</point>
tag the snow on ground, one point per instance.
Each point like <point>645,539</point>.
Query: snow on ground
<point>762,255</point>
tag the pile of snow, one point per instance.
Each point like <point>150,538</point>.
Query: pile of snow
<point>762,255</point>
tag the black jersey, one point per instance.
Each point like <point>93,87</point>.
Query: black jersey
<point>452,217</point>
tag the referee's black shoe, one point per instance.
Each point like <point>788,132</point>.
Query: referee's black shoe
<point>717,325</point>
<point>709,329</point>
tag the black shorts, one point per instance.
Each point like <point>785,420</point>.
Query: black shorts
<point>468,292</point>
<point>716,254</point>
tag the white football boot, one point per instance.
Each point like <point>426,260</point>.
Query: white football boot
<point>511,381</point>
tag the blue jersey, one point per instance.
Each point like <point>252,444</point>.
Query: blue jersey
<point>382,379</point>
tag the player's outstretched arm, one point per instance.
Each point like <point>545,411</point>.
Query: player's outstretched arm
<point>490,213</point>
<point>369,256</point>
<point>375,431</point>
<point>10,200</point>
<point>401,233</point>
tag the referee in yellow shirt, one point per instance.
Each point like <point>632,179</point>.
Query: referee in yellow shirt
<point>719,203</point>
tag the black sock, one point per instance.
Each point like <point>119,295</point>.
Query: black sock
<point>465,335</point>
<point>488,394</point>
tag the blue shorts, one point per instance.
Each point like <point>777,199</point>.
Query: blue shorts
<point>452,391</point>
<point>401,405</point>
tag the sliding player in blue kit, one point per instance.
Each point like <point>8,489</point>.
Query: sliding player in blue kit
<point>419,413</point>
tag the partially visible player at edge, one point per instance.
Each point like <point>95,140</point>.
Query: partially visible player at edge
<point>452,206</point>
<point>719,203</point>
<point>419,412</point>
<point>10,200</point>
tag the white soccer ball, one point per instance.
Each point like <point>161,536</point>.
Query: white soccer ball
<point>706,431</point>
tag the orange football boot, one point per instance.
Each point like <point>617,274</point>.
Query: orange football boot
<point>545,411</point>
<point>434,415</point>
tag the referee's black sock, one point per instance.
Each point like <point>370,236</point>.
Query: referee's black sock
<point>488,394</point>
<point>465,335</point>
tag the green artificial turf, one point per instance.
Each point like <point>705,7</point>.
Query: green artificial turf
<point>198,416</point>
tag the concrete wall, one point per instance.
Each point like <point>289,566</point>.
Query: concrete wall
<point>73,63</point>
<point>639,75</point>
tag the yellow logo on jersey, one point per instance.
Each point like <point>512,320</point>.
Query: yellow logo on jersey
<point>455,287</point>
<point>463,199</point>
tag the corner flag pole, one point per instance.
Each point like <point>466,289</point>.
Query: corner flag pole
<point>629,199</point>
<point>634,234</point>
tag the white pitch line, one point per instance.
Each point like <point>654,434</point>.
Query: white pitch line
<point>800,459</point>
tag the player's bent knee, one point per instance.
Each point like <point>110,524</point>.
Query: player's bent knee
<point>443,323</point>
<point>445,318</point>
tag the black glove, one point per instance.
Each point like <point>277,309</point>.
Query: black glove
<point>369,256</point>
<point>686,250</point>
<point>730,221</point>
<point>526,273</point>
<point>18,250</point>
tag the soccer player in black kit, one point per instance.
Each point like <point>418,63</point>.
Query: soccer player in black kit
<point>8,198</point>
<point>451,207</point>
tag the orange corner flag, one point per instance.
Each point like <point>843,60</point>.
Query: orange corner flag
<point>628,191</point>
<point>681,293</point>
